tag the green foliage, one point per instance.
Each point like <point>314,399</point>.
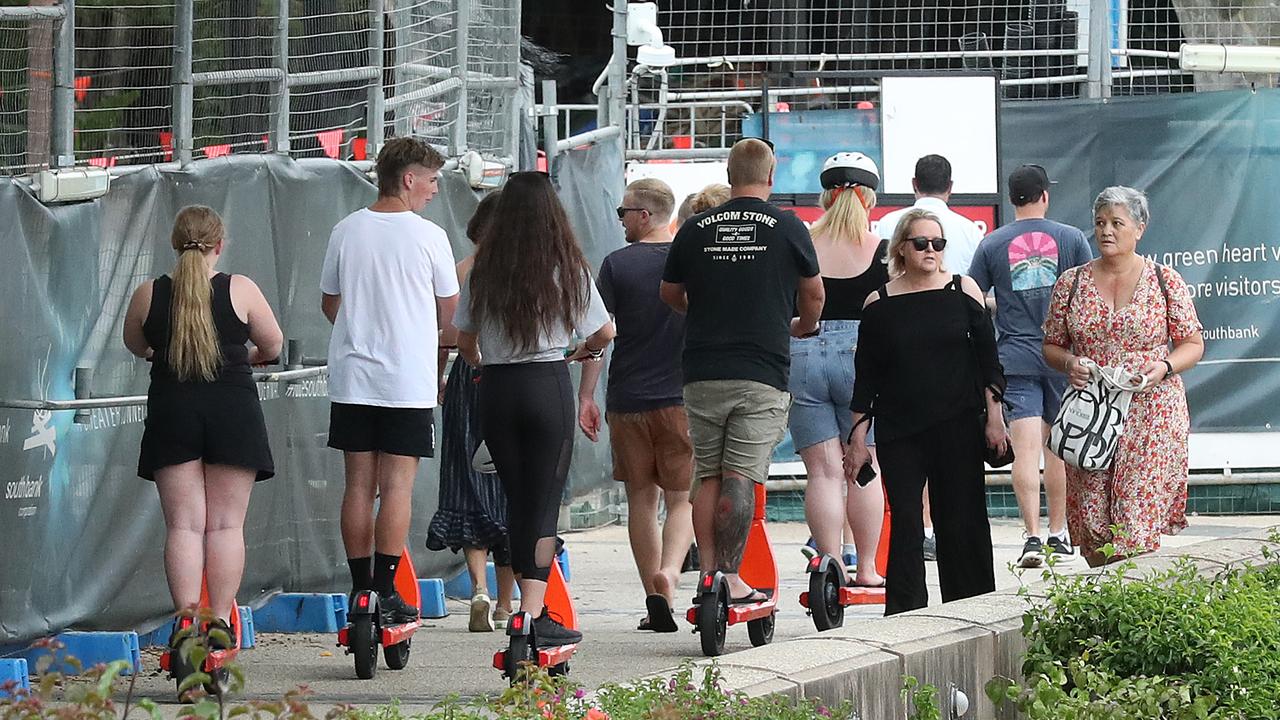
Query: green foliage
<point>1171,645</point>
<point>921,700</point>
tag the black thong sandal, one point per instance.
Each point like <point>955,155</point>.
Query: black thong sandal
<point>660,616</point>
<point>755,596</point>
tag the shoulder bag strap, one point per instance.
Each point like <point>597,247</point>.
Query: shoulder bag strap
<point>1164,290</point>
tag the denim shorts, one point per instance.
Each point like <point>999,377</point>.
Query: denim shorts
<point>821,384</point>
<point>1034,396</point>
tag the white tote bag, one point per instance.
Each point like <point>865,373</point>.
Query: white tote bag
<point>1091,419</point>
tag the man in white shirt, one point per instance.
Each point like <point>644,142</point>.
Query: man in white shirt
<point>932,184</point>
<point>388,287</point>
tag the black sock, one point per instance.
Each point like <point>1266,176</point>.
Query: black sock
<point>384,573</point>
<point>361,573</point>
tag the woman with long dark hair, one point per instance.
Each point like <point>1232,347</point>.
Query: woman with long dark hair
<point>472,513</point>
<point>529,292</point>
<point>205,440</point>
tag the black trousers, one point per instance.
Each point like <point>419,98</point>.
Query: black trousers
<point>949,456</point>
<point>527,420</point>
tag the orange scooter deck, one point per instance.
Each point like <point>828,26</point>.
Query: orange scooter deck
<point>215,658</point>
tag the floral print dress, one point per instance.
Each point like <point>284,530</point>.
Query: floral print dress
<point>1144,492</point>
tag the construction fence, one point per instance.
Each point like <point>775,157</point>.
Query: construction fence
<point>116,82</point>
<point>1039,49</point>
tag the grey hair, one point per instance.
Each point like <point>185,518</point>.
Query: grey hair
<point>1135,201</point>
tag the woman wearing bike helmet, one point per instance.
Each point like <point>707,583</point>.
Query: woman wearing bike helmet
<point>851,260</point>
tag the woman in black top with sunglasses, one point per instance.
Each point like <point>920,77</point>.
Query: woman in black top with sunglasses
<point>926,347</point>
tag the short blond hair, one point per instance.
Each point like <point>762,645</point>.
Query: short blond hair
<point>750,163</point>
<point>711,196</point>
<point>900,238</point>
<point>653,195</point>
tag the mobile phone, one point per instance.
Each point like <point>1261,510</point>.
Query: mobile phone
<point>865,475</point>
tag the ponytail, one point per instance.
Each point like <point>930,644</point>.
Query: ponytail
<point>194,352</point>
<point>847,214</point>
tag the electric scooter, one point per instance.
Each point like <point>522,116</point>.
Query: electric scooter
<point>365,632</point>
<point>214,665</point>
<point>522,646</point>
<point>828,595</point>
<point>714,610</point>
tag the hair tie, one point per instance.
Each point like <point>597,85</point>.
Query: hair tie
<point>193,245</point>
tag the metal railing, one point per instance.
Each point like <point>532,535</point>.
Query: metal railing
<point>297,367</point>
<point>157,81</point>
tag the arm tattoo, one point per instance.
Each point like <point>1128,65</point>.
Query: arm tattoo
<point>733,521</point>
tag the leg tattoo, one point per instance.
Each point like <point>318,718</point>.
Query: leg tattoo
<point>732,522</point>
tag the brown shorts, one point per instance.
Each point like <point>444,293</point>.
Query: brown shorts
<point>652,448</point>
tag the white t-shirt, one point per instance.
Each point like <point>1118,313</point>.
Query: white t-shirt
<point>389,268</point>
<point>962,234</point>
<point>497,347</point>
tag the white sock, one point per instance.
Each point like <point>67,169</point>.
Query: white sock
<point>1061,534</point>
<point>928,532</point>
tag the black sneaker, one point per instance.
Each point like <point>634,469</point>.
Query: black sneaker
<point>1032,553</point>
<point>549,632</point>
<point>1061,549</point>
<point>931,548</point>
<point>395,611</point>
<point>219,635</point>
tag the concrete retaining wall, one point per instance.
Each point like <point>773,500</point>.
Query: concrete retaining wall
<point>966,643</point>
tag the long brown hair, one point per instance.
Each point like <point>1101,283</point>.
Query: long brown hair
<point>194,352</point>
<point>530,275</point>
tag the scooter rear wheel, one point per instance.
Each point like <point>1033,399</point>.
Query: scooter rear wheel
<point>760,630</point>
<point>824,598</point>
<point>518,652</point>
<point>397,656</point>
<point>713,621</point>
<point>219,682</point>
<point>364,646</point>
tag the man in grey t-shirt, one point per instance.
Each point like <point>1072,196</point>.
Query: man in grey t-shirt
<point>1022,261</point>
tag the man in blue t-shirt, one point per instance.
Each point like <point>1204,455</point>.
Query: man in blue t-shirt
<point>1022,261</point>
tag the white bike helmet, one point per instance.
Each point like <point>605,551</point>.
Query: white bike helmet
<point>847,169</point>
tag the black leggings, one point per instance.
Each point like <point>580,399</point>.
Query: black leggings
<point>948,455</point>
<point>527,421</point>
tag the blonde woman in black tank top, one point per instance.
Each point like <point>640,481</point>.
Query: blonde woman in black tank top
<point>205,441</point>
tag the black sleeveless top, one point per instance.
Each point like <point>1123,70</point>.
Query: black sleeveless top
<point>233,333</point>
<point>846,296</point>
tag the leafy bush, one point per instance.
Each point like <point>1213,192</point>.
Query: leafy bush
<point>1173,645</point>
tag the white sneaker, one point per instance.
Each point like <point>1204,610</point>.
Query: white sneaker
<point>481,614</point>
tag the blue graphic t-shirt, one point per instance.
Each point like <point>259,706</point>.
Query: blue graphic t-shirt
<point>1022,261</point>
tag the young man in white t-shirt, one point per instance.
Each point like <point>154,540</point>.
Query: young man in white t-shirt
<point>389,288</point>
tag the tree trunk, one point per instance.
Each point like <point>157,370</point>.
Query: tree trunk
<point>40,35</point>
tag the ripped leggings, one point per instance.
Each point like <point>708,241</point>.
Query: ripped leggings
<point>527,421</point>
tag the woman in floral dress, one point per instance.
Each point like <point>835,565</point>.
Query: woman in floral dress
<point>1121,314</point>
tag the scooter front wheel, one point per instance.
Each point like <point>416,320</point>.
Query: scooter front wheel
<point>397,656</point>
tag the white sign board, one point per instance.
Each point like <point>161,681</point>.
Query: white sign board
<point>952,116</point>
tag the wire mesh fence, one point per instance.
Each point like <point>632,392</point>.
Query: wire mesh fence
<point>324,61</point>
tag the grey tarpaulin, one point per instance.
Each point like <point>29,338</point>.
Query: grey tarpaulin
<point>80,535</point>
<point>590,181</point>
<point>1209,163</point>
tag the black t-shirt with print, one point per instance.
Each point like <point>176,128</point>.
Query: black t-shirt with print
<point>740,264</point>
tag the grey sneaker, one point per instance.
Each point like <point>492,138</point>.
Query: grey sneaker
<point>1062,550</point>
<point>931,548</point>
<point>1032,553</point>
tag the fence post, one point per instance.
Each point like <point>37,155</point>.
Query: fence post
<point>462,28</point>
<point>183,97</point>
<point>62,142</point>
<point>550,116</point>
<point>279,129</point>
<point>618,68</point>
<point>376,113</point>
<point>1100,48</point>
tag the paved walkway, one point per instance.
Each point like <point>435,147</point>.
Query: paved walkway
<point>448,659</point>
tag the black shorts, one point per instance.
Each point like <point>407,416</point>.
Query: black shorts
<point>392,430</point>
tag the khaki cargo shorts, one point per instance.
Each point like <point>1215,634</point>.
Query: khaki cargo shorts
<point>735,425</point>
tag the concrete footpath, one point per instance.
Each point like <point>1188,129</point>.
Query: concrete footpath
<point>447,659</point>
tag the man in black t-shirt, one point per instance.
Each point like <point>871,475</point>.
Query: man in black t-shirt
<point>738,271</point>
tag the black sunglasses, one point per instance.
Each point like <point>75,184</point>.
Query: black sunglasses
<point>622,211</point>
<point>920,243</point>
